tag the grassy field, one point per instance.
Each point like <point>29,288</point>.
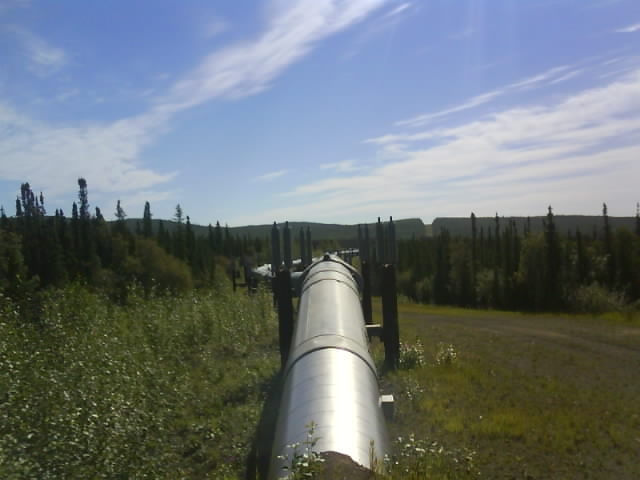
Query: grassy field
<point>174,387</point>
<point>518,396</point>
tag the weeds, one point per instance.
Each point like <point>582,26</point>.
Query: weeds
<point>446,354</point>
<point>411,355</point>
<point>418,459</point>
<point>306,462</point>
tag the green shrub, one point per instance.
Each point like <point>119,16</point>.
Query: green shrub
<point>595,299</point>
<point>162,387</point>
<point>411,355</point>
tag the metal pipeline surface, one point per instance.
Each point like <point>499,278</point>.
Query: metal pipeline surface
<point>330,378</point>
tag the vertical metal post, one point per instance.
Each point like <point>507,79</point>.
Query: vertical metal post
<point>390,326</point>
<point>285,313</point>
<point>392,247</point>
<point>366,292</point>
<point>309,247</point>
<point>287,245</point>
<point>303,255</point>
<point>380,256</point>
<point>275,249</point>
<point>367,244</point>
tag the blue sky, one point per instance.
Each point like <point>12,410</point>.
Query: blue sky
<point>333,111</point>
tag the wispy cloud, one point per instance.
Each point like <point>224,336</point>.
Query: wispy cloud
<point>559,153</point>
<point>268,177</point>
<point>549,77</point>
<point>397,10</point>
<point>471,103</point>
<point>344,166</point>
<point>215,27</point>
<point>108,154</point>
<point>248,68</point>
<point>629,29</point>
<point>44,58</point>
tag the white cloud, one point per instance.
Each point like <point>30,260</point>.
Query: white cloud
<point>54,157</point>
<point>248,68</point>
<point>267,177</point>
<point>397,10</point>
<point>574,154</point>
<point>107,154</point>
<point>549,77</point>
<point>471,103</point>
<point>344,166</point>
<point>629,29</point>
<point>44,58</point>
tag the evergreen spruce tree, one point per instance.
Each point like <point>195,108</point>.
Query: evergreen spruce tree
<point>474,257</point>
<point>218,238</point>
<point>443,269</point>
<point>83,197</point>
<point>190,241</point>
<point>608,248</point>
<point>553,292</point>
<point>121,226</point>
<point>4,221</point>
<point>147,228</point>
<point>496,265</point>
<point>178,217</point>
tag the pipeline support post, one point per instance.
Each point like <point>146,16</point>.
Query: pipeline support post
<point>286,237</point>
<point>309,249</point>
<point>391,328</point>
<point>285,313</point>
<point>366,292</point>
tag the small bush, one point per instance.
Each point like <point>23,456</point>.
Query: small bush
<point>446,354</point>
<point>418,459</point>
<point>596,299</point>
<point>411,355</point>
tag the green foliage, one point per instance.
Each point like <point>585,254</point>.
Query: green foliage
<point>163,387</point>
<point>418,459</point>
<point>411,355</point>
<point>500,268</point>
<point>446,354</point>
<point>303,462</point>
<point>155,267</point>
<point>596,299</point>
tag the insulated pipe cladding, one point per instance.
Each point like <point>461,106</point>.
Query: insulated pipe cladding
<point>330,377</point>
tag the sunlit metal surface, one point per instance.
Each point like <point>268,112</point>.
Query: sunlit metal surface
<point>330,378</point>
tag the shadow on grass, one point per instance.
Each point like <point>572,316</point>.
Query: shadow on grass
<point>260,454</point>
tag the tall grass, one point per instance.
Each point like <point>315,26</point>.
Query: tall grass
<point>163,387</point>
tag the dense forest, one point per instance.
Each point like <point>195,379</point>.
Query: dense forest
<point>39,250</point>
<point>507,268</point>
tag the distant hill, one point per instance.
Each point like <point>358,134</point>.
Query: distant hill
<point>406,228</point>
<point>564,224</point>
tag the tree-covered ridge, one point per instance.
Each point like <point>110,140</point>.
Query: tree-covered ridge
<point>504,266</point>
